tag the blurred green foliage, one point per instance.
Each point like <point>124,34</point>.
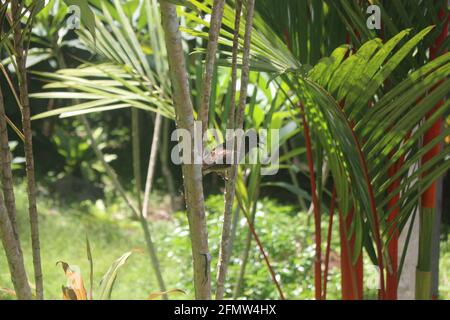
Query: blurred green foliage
<point>284,233</point>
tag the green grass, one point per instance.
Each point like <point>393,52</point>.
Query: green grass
<point>63,232</point>
<point>285,234</point>
<point>444,269</point>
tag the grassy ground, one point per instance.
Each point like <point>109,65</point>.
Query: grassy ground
<point>284,233</point>
<point>63,234</point>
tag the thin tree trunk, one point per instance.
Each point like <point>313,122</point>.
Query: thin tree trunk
<point>6,172</point>
<point>20,56</point>
<point>230,185</point>
<point>153,255</point>
<point>151,165</point>
<point>14,256</point>
<point>136,146</point>
<point>8,226</point>
<point>192,173</point>
<point>211,51</point>
<point>238,124</point>
<point>148,191</point>
<point>168,178</point>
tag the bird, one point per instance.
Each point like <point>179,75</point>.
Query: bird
<point>218,161</point>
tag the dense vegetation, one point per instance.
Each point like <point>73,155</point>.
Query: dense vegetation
<point>92,91</point>
<point>63,238</point>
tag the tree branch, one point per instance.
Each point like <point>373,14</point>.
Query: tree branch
<point>192,173</point>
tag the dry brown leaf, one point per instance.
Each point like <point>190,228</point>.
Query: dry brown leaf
<point>75,290</point>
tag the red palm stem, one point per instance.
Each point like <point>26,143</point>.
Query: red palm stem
<point>312,180</point>
<point>352,274</point>
<point>328,248</point>
<point>429,196</point>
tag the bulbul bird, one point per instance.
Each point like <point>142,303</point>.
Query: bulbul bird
<point>216,161</point>
<point>220,159</point>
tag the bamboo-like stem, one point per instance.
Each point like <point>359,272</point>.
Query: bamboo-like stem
<point>136,146</point>
<point>428,200</point>
<point>423,272</point>
<point>6,171</point>
<point>20,55</point>
<point>165,164</point>
<point>13,255</point>
<point>436,241</point>
<point>239,123</point>
<point>153,256</point>
<point>145,206</point>
<point>230,185</point>
<point>8,227</point>
<point>192,173</point>
<point>211,52</point>
<point>328,248</point>
<point>151,165</point>
<point>317,230</point>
